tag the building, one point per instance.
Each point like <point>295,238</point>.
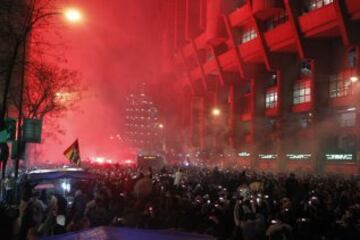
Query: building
<point>283,76</point>
<point>143,129</point>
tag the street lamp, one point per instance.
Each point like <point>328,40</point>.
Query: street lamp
<point>73,15</point>
<point>354,79</point>
<point>216,112</point>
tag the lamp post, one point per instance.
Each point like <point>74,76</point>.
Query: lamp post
<point>216,122</point>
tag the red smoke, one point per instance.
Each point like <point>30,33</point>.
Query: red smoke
<point>115,46</point>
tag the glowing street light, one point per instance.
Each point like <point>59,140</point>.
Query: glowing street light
<point>216,112</point>
<point>354,79</point>
<point>73,15</point>
<point>161,126</point>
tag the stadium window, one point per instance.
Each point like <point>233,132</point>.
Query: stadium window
<point>271,98</point>
<point>302,92</point>
<point>340,84</point>
<point>311,5</point>
<point>348,119</point>
<point>248,35</point>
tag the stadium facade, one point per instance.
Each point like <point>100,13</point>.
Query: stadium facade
<point>281,76</point>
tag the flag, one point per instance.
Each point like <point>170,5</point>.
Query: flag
<point>73,153</point>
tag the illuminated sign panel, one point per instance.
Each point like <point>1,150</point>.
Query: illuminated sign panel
<point>267,156</point>
<point>298,156</point>
<point>244,154</point>
<point>339,157</point>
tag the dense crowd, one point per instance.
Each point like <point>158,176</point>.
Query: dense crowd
<point>227,204</point>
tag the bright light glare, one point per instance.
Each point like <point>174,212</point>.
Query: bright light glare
<point>63,96</point>
<point>216,112</point>
<point>354,79</point>
<point>66,186</point>
<point>161,125</point>
<point>100,160</point>
<point>128,161</point>
<point>73,15</point>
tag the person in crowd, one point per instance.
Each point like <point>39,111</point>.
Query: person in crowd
<point>228,204</point>
<point>96,211</point>
<point>79,204</point>
<point>178,177</point>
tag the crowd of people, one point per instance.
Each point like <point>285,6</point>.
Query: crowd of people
<point>228,204</point>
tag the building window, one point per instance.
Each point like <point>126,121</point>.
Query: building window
<point>276,21</point>
<point>311,5</point>
<point>341,84</point>
<point>347,143</point>
<point>248,35</point>
<point>271,98</point>
<point>305,68</point>
<point>347,119</point>
<point>302,92</point>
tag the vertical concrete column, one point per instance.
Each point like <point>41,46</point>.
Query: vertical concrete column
<point>197,121</point>
<point>315,118</point>
<point>287,75</point>
<point>202,123</point>
<point>280,124</point>
<point>319,96</point>
<point>186,117</point>
<point>236,110</point>
<point>254,115</point>
<point>231,118</point>
<point>258,113</point>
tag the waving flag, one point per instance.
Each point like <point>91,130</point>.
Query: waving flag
<point>73,153</point>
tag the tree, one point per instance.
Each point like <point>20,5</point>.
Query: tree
<point>19,18</point>
<point>22,23</point>
<point>49,91</point>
